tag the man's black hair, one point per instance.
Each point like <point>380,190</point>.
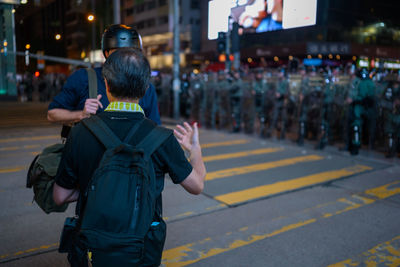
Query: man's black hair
<point>127,72</point>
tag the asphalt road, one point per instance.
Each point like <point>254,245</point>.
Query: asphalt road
<point>265,203</point>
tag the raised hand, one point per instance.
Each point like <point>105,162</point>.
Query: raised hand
<point>187,136</point>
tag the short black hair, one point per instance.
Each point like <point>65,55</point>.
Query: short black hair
<point>127,72</point>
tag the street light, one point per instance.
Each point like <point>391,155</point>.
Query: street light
<point>90,17</point>
<point>58,36</point>
<point>27,47</point>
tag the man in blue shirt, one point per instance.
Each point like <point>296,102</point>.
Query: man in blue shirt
<point>73,104</point>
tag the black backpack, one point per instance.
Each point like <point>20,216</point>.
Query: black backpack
<point>121,196</point>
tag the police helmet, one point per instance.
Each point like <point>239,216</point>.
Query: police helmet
<point>119,35</point>
<point>364,74</point>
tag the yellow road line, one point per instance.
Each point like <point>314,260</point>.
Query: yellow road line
<point>28,251</point>
<point>385,191</point>
<point>384,254</point>
<point>32,138</point>
<point>171,256</point>
<point>13,148</point>
<point>241,154</point>
<point>196,212</point>
<point>226,143</point>
<point>197,251</point>
<point>14,169</point>
<point>288,185</point>
<point>19,154</point>
<point>260,167</point>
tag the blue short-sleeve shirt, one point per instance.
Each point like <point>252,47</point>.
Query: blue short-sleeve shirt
<point>76,91</point>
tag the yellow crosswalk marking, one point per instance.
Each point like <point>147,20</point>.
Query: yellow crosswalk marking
<point>215,245</point>
<point>14,169</point>
<point>288,185</point>
<point>385,191</point>
<point>226,143</point>
<point>385,254</point>
<point>242,154</point>
<point>13,148</point>
<point>260,167</point>
<point>31,138</point>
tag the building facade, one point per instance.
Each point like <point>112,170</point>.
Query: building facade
<point>154,21</point>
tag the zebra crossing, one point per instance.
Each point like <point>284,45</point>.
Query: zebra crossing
<point>241,170</point>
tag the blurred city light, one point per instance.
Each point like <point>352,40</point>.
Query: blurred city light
<point>90,17</point>
<point>24,2</point>
<point>27,46</point>
<point>58,36</point>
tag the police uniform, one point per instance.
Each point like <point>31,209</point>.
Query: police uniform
<point>196,94</point>
<point>279,111</point>
<point>390,104</point>
<point>224,104</point>
<point>363,96</point>
<point>236,93</point>
<point>310,106</point>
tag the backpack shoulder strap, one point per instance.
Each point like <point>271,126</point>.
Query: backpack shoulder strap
<point>154,139</point>
<point>102,132</point>
<point>132,131</point>
<point>92,80</point>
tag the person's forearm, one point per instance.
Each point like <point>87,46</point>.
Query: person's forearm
<point>64,116</point>
<point>62,195</point>
<point>196,160</point>
<point>73,197</point>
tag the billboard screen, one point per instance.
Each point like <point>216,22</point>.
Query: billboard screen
<point>256,16</point>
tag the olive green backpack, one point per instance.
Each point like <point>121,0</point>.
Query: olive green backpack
<point>43,168</point>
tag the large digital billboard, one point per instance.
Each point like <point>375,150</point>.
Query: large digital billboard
<point>256,16</point>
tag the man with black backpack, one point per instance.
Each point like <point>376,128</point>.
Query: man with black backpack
<point>114,164</point>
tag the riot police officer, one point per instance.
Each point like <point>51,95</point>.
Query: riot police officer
<point>280,103</point>
<point>209,103</point>
<point>364,109</point>
<point>184,97</point>
<point>310,105</point>
<point>236,93</point>
<point>263,99</point>
<point>224,107</point>
<point>196,94</point>
<point>390,104</point>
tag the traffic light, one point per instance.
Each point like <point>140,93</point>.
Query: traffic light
<point>221,42</point>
